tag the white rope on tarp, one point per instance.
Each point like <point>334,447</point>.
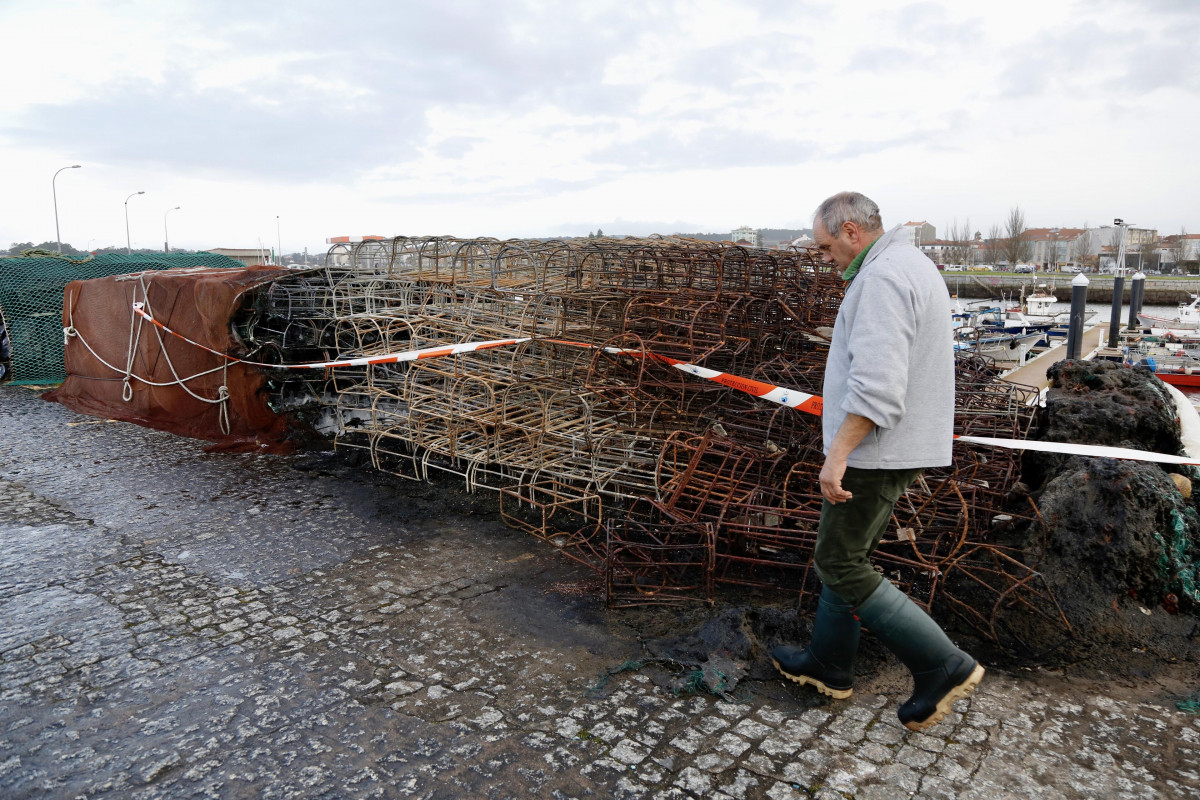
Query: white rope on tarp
<point>222,398</point>
<point>128,374</point>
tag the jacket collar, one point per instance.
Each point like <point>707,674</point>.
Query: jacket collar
<point>881,244</point>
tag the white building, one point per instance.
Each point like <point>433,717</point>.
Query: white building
<point>1170,249</point>
<point>250,256</point>
<point>748,235</point>
<point>917,233</point>
<point>936,250</point>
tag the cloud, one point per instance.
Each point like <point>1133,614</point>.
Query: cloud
<point>1069,60</point>
<point>712,147</point>
<point>1166,67</point>
<point>341,97</point>
<point>856,148</point>
<point>883,59</point>
<point>1147,7</point>
<point>481,115</point>
<point>454,51</point>
<point>456,146</point>
<point>746,64</point>
<point>928,23</point>
<point>222,132</point>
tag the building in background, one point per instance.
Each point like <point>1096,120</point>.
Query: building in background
<point>247,255</point>
<point>744,235</point>
<point>1052,248</point>
<point>1103,244</point>
<point>1179,253</point>
<point>937,250</point>
<point>918,233</point>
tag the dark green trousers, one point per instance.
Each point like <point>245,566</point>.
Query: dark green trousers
<point>849,532</point>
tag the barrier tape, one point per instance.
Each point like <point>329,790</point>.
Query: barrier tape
<point>792,398</point>
<point>1092,450</point>
<point>365,361</point>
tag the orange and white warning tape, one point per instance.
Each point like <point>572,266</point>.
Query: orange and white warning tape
<point>812,404</point>
<point>365,361</point>
<point>792,398</point>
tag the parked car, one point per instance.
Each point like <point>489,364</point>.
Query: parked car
<point>1071,270</point>
<point>953,267</point>
<point>1025,268</point>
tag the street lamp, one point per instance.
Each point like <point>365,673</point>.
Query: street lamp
<point>128,245</point>
<point>278,243</point>
<point>1122,231</point>
<point>54,191</point>
<point>166,239</point>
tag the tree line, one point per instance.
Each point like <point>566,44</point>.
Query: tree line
<point>16,248</point>
<point>1005,243</point>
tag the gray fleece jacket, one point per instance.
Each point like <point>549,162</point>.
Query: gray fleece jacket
<point>892,360</point>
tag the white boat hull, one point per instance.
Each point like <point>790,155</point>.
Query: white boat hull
<point>1151,321</point>
<point>1010,348</point>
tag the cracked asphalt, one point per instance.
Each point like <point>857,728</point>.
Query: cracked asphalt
<point>182,624</point>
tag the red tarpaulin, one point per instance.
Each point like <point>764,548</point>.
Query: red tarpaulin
<point>120,366</point>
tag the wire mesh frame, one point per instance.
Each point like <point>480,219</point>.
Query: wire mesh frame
<point>550,461</point>
<point>658,564</point>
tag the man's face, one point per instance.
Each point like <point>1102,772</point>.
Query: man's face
<point>838,250</point>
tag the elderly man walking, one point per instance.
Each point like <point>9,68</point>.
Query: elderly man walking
<point>888,413</point>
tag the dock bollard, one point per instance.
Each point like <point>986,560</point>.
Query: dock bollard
<point>1079,288</point>
<point>1137,292</point>
<point>1114,319</point>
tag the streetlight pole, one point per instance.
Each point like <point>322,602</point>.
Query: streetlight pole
<point>278,242</point>
<point>166,239</point>
<point>128,244</point>
<point>1122,227</point>
<point>54,191</point>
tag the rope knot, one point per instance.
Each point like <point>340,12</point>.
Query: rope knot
<point>223,409</point>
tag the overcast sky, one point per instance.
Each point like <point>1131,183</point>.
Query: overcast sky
<point>509,118</point>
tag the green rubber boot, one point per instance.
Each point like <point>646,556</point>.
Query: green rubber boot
<point>828,662</point>
<point>941,672</point>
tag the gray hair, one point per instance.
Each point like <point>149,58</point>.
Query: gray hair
<point>848,207</point>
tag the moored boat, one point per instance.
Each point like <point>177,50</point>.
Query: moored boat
<point>1187,317</point>
<point>1179,378</point>
<point>1002,347</point>
<point>1038,302</point>
<point>1169,361</point>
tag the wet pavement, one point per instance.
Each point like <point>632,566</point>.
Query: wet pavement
<point>182,624</point>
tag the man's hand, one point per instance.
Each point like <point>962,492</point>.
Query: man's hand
<point>852,431</point>
<point>831,481</point>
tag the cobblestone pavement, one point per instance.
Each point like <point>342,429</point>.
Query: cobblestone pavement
<point>182,624</point>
